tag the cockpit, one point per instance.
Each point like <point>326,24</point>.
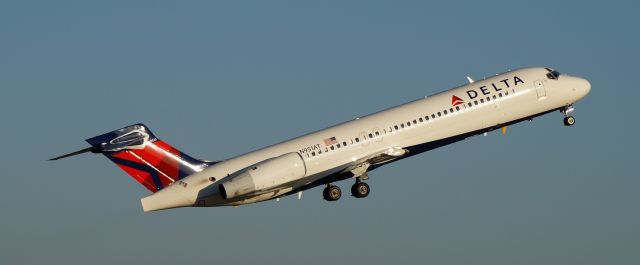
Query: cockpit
<point>552,74</point>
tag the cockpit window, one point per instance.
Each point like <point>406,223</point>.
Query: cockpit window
<point>552,74</point>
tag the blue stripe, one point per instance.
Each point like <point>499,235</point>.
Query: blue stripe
<point>139,166</point>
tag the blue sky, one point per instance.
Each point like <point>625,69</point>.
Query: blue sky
<point>219,79</point>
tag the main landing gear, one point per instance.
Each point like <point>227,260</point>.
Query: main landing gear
<point>568,119</point>
<point>332,193</point>
<point>358,190</point>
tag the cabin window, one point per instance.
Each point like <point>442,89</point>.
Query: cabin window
<point>482,100</point>
<point>445,112</point>
<point>494,97</point>
<point>426,117</point>
<point>377,133</point>
<point>457,108</point>
<point>408,123</point>
<point>506,93</point>
<point>499,94</point>
<point>357,140</point>
<point>439,114</point>
<point>414,121</point>
<point>433,116</point>
<point>313,153</point>
<point>332,148</point>
<point>344,143</point>
<point>338,145</point>
<point>470,104</point>
<point>319,151</point>
<point>451,110</point>
<point>396,127</point>
<point>402,125</point>
<point>420,119</point>
<point>370,135</point>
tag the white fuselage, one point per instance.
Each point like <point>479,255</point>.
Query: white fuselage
<point>479,106</point>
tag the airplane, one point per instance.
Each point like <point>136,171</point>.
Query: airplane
<point>348,150</point>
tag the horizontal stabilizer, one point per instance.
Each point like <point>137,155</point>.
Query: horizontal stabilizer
<point>82,151</point>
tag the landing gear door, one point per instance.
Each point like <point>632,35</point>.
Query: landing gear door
<point>542,93</point>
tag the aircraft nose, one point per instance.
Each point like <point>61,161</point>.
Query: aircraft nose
<point>582,86</point>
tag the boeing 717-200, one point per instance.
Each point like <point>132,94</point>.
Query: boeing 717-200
<point>347,150</point>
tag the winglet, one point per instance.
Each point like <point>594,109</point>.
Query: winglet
<point>470,80</point>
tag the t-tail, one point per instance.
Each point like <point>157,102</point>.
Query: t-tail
<point>149,160</point>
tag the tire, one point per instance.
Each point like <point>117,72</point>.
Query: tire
<point>360,190</point>
<point>569,121</point>
<point>332,193</point>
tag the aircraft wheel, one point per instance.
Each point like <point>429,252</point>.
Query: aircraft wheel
<point>569,121</point>
<point>360,190</point>
<point>332,193</point>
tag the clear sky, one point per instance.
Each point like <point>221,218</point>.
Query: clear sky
<point>220,79</point>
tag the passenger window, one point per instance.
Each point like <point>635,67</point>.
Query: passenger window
<point>494,97</point>
<point>470,104</point>
<point>357,140</point>
<point>482,100</point>
<point>445,112</point>
<point>313,153</point>
<point>426,117</point>
<point>433,116</point>
<point>500,95</point>
<point>439,114</point>
<point>370,136</point>
<point>506,93</point>
<point>402,125</point>
<point>332,148</point>
<point>451,110</point>
<point>488,99</point>
<point>344,143</point>
<point>420,119</point>
<point>414,122</point>
<point>338,145</point>
<point>475,102</point>
<point>377,133</point>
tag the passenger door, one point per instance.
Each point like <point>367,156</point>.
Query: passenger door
<point>540,90</point>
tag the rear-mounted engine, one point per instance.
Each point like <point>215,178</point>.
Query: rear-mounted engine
<point>264,176</point>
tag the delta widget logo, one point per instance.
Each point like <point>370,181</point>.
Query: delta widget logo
<point>456,101</point>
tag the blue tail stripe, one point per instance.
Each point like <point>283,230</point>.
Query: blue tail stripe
<point>142,167</point>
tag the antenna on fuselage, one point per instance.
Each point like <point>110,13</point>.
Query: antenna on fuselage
<point>470,80</point>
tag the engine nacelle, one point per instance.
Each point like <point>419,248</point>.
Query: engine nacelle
<point>264,176</point>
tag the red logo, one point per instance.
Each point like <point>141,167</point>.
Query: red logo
<point>456,101</point>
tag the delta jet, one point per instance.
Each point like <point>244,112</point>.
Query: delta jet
<point>349,150</point>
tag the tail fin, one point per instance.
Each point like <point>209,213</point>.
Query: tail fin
<point>149,160</point>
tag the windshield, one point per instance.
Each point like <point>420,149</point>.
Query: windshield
<point>552,74</point>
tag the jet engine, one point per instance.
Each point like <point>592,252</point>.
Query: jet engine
<point>264,176</point>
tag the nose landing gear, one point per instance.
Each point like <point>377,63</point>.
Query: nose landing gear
<point>568,119</point>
